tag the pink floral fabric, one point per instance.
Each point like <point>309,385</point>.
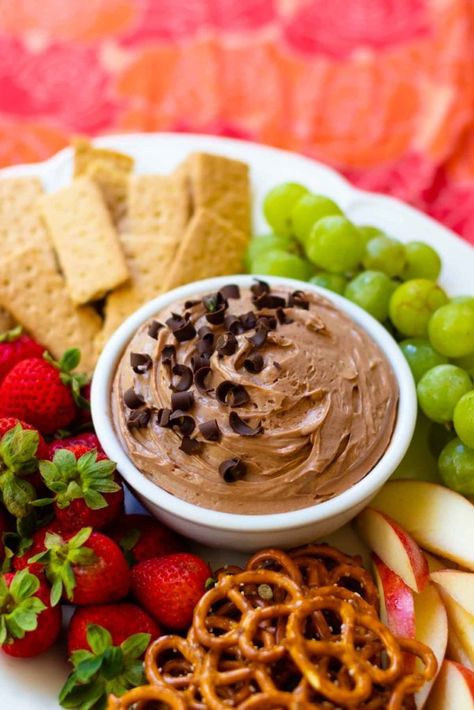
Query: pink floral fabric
<point>383,90</point>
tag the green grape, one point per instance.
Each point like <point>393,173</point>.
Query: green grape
<point>456,467</point>
<point>440,389</point>
<point>308,210</point>
<point>281,263</point>
<point>421,262</point>
<point>268,242</point>
<point>368,232</point>
<point>421,356</point>
<point>371,290</point>
<point>334,244</point>
<point>384,254</point>
<point>466,362</point>
<point>469,300</point>
<point>463,419</point>
<point>333,282</point>
<point>412,305</point>
<point>451,330</point>
<point>278,204</point>
<point>419,462</point>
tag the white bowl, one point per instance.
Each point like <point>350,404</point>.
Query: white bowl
<point>250,532</point>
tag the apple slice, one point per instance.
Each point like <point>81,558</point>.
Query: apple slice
<point>461,629</point>
<point>438,519</point>
<point>397,606</point>
<point>456,651</point>
<point>431,629</point>
<point>453,689</point>
<point>459,585</point>
<point>394,547</point>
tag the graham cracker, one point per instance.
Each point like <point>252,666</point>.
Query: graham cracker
<point>149,257</point>
<point>109,169</point>
<point>20,217</point>
<point>6,321</point>
<point>36,296</point>
<point>86,243</point>
<point>222,185</point>
<point>158,203</point>
<point>210,246</point>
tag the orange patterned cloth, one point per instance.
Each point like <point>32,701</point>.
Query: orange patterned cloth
<point>383,90</point>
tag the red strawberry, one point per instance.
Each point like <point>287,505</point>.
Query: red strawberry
<point>43,392</point>
<point>87,438</point>
<point>120,620</point>
<point>104,669</point>
<point>141,537</point>
<point>14,347</point>
<point>86,491</point>
<point>85,568</point>
<point>3,530</point>
<point>29,625</point>
<point>20,444</point>
<point>170,587</point>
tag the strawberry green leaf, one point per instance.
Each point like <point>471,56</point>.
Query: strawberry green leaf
<point>70,359</point>
<point>98,638</point>
<point>95,500</point>
<point>79,656</point>
<point>18,494</point>
<point>134,675</point>
<point>130,539</point>
<point>112,662</point>
<point>80,538</point>
<point>42,502</point>
<point>9,336</point>
<point>135,646</point>
<point>88,667</point>
<point>24,585</point>
<point>18,448</point>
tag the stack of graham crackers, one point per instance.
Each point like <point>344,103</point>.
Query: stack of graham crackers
<point>75,263</point>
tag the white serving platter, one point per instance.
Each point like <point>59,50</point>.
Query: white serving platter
<point>34,684</point>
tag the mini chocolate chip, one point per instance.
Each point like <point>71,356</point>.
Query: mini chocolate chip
<point>248,320</point>
<point>216,317</point>
<point>140,362</point>
<point>230,291</point>
<point>191,304</point>
<point>205,332</point>
<point>226,344</point>
<point>233,395</point>
<point>270,322</point>
<point>184,422</point>
<point>268,300</point>
<point>233,324</point>
<point>168,355</point>
<point>260,336</point>
<point>163,417</point>
<point>232,469</point>
<point>210,430</point>
<point>200,377</point>
<point>132,399</point>
<point>186,332</point>
<point>214,301</point>
<point>259,288</point>
<point>175,321</point>
<point>283,317</point>
<point>185,381</point>
<point>201,360</point>
<point>254,363</point>
<point>139,418</point>
<point>242,428</point>
<point>190,446</point>
<point>298,299</point>
<point>182,400</point>
<point>154,328</point>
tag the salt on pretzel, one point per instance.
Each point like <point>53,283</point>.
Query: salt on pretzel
<point>295,630</point>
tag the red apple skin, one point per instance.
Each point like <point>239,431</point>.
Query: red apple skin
<point>398,600</point>
<point>383,534</point>
<point>468,676</point>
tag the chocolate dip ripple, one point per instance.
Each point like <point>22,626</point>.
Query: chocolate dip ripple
<point>321,411</point>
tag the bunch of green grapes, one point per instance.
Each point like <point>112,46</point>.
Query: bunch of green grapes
<point>313,240</point>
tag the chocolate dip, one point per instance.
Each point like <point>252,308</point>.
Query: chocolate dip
<point>254,401</point>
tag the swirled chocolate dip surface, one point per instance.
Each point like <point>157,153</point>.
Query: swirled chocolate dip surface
<point>254,400</point>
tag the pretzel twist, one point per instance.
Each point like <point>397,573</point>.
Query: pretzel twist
<point>294,630</point>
